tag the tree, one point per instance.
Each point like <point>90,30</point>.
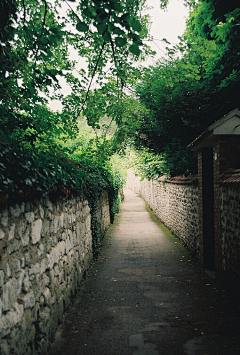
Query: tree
<point>186,93</point>
<point>34,56</point>
<point>35,38</point>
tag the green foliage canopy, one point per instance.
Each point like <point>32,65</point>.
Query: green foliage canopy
<point>38,40</point>
<point>196,85</point>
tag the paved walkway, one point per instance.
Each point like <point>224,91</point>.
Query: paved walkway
<point>145,296</point>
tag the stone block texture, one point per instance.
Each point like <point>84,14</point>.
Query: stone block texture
<point>46,247</point>
<point>176,205</point>
<point>230,229</point>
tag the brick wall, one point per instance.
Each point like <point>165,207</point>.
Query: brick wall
<point>46,247</point>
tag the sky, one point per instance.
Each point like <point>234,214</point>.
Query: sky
<point>168,24</point>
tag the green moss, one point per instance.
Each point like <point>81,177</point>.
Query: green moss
<point>166,230</point>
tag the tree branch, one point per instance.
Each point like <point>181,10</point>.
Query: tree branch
<point>90,83</point>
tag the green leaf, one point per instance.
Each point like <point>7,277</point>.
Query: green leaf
<point>136,25</point>
<point>134,49</point>
<point>44,40</point>
<point>82,27</point>
<point>126,17</point>
<point>120,41</point>
<point>117,7</point>
<point>87,12</point>
<point>118,31</point>
<point>101,28</point>
<point>107,36</point>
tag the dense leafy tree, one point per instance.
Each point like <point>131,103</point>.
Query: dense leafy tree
<point>36,40</point>
<point>187,92</point>
<point>178,97</point>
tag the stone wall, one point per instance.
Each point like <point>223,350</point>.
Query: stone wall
<point>46,247</point>
<point>175,204</point>
<point>230,228</point>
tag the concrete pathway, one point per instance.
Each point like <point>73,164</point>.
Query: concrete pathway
<point>145,296</point>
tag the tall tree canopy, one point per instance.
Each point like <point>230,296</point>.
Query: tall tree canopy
<point>38,40</point>
<point>197,84</point>
<point>173,102</point>
<point>35,39</point>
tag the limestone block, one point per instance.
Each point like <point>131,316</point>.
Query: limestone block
<point>73,217</point>
<point>36,231</point>
<point>47,296</point>
<point>15,211</point>
<point>61,220</point>
<point>70,258</point>
<point>11,231</point>
<point>54,240</point>
<point>52,277</point>
<point>69,219</point>
<point>1,278</point>
<point>56,224</point>
<point>25,237</point>
<point>16,266</point>
<point>56,270</point>
<point>45,281</point>
<point>27,300</point>
<point>14,245</point>
<point>82,229</point>
<point>8,321</point>
<point>29,217</point>
<point>49,215</point>
<point>34,270</point>
<point>8,270</point>
<point>44,320</point>
<point>4,347</point>
<point>65,259</point>
<point>43,265</point>
<point>56,253</point>
<point>49,205</point>
<point>27,257</point>
<point>61,277</point>
<point>20,282</point>
<point>4,218</point>
<point>9,294</point>
<point>41,211</point>
<point>78,229</point>
<point>45,227</point>
<point>2,234</point>
<point>88,223</point>
<point>69,242</point>
<point>40,249</point>
<point>26,283</point>
<point>1,308</point>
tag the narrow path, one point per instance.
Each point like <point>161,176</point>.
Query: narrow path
<point>145,296</point>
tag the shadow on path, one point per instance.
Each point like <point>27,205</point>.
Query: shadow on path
<point>145,296</point>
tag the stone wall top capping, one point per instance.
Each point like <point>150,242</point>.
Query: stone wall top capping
<point>183,180</point>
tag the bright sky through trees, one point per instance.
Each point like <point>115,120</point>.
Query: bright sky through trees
<point>168,24</point>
